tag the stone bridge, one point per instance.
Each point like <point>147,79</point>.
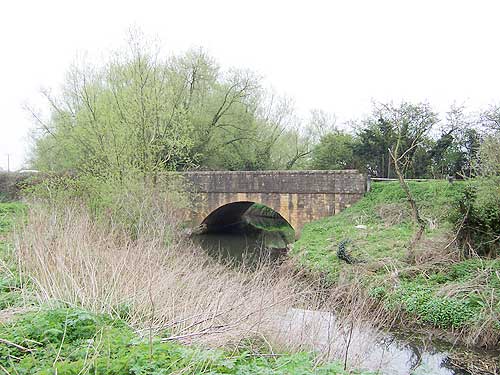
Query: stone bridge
<point>298,196</point>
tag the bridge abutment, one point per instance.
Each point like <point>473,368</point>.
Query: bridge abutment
<point>298,196</point>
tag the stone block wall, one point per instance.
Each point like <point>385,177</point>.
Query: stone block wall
<point>298,196</point>
<point>11,184</point>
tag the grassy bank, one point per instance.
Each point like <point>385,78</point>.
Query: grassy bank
<point>76,298</point>
<point>441,289</point>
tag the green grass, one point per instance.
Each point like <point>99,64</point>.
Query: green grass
<point>317,246</point>
<point>8,213</point>
<point>456,295</point>
<point>475,284</point>
<point>278,232</point>
<point>10,283</point>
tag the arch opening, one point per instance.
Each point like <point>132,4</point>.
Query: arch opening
<point>232,216</point>
<point>243,228</point>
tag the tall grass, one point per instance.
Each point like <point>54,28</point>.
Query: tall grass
<point>134,262</point>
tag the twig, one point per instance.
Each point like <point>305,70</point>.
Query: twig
<point>4,370</point>
<point>210,318</point>
<point>348,345</point>
<point>22,348</point>
<point>62,341</point>
<point>206,331</point>
<point>458,230</point>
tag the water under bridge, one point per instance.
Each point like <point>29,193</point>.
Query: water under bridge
<point>297,196</point>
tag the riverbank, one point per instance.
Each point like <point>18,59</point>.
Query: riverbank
<point>79,266</point>
<point>441,292</point>
<point>49,319</point>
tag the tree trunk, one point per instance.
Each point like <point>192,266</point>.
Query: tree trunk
<point>415,212</point>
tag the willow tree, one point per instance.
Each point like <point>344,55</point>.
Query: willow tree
<point>145,112</point>
<point>119,117</point>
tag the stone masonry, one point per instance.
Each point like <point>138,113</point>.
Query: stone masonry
<point>298,196</point>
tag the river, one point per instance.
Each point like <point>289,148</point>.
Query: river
<point>390,353</point>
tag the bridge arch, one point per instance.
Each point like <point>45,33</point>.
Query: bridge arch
<point>226,215</point>
<point>231,214</point>
<point>298,196</point>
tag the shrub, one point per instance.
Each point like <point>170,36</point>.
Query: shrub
<point>419,298</point>
<point>130,202</point>
<point>478,217</point>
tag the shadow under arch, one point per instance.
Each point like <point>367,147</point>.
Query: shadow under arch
<point>245,232</point>
<point>230,215</point>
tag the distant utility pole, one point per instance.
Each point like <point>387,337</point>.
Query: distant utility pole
<point>8,162</point>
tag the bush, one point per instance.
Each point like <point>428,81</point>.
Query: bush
<point>131,202</point>
<point>478,217</point>
<point>419,297</point>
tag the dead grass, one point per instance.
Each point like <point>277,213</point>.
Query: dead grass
<point>393,213</point>
<point>6,315</point>
<point>165,285</point>
<point>73,260</point>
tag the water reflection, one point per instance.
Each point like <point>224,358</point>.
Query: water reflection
<point>368,349</point>
<point>243,243</point>
<point>256,238</point>
<point>259,235</point>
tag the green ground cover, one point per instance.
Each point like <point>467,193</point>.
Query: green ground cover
<point>385,213</point>
<point>72,341</point>
<point>447,293</point>
<point>10,283</point>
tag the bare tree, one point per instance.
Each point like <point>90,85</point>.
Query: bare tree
<point>490,118</point>
<point>319,124</point>
<point>412,124</point>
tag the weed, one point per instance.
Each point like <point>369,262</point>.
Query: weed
<point>75,341</point>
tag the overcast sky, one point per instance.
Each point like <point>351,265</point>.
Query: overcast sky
<point>332,55</point>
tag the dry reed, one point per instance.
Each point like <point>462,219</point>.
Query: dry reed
<point>164,283</point>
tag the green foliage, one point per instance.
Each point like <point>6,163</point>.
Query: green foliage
<point>442,296</point>
<point>419,297</point>
<point>8,214</point>
<point>10,282</point>
<point>455,153</point>
<point>10,288</point>
<point>470,268</point>
<point>427,296</point>
<point>489,156</point>
<point>478,216</point>
<point>71,341</point>
<point>398,128</point>
<point>334,151</point>
<point>131,202</point>
<point>148,113</point>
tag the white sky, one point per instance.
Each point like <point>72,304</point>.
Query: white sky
<point>333,55</point>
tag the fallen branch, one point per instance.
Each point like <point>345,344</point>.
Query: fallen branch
<point>220,328</point>
<point>10,343</point>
